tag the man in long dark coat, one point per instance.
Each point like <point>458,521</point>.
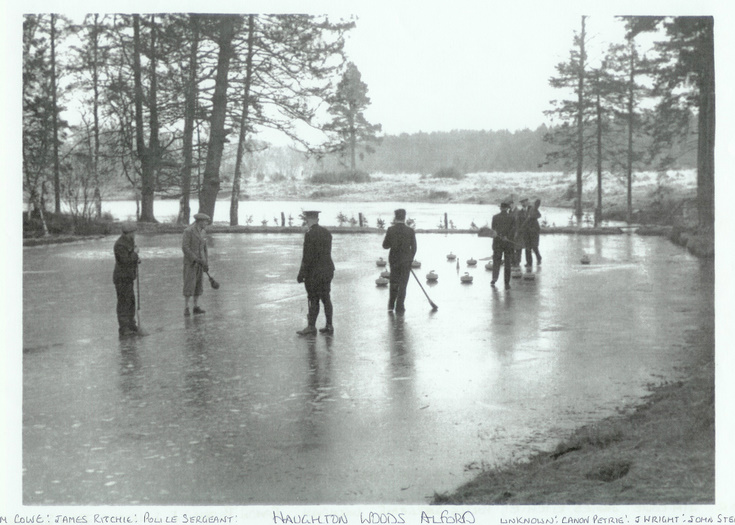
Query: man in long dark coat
<point>519,237</point>
<point>504,225</point>
<point>400,239</point>
<point>316,272</point>
<point>123,276</point>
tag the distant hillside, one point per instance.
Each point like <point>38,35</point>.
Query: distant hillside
<point>471,151</point>
<point>466,151</point>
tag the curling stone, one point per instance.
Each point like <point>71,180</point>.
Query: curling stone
<point>516,272</point>
<point>432,276</point>
<point>415,264</point>
<point>471,262</point>
<point>380,262</point>
<point>529,276</point>
<point>381,281</point>
<point>489,265</point>
<point>466,278</point>
<point>451,256</point>
<point>385,274</point>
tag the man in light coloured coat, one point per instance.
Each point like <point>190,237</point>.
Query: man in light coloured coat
<point>194,246</point>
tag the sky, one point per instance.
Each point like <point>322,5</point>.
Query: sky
<point>442,66</point>
<point>440,71</point>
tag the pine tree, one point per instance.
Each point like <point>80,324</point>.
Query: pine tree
<point>685,81</point>
<point>349,125</point>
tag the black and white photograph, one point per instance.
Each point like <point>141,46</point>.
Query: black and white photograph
<point>383,263</point>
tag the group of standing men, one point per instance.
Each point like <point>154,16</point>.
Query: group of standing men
<point>317,267</point>
<point>515,229</point>
<point>316,270</point>
<point>125,274</point>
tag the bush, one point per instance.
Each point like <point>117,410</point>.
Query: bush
<point>64,224</point>
<point>339,177</point>
<point>438,195</point>
<point>278,177</point>
<point>449,173</point>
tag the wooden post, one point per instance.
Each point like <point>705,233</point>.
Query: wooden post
<point>283,219</point>
<point>360,218</point>
<point>446,225</point>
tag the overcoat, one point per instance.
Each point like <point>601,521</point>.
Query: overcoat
<point>126,260</point>
<point>401,240</point>
<point>316,261</point>
<point>504,225</point>
<point>194,246</point>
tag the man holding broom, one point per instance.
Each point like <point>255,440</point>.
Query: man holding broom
<point>123,276</point>
<point>194,246</point>
<point>400,239</point>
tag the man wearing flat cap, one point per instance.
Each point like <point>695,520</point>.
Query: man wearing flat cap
<point>194,246</point>
<point>123,276</point>
<point>400,239</point>
<point>316,272</point>
<point>503,224</point>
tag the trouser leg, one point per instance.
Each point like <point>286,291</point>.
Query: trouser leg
<point>313,310</point>
<point>125,305</point>
<point>506,269</point>
<point>401,280</point>
<point>497,258</point>
<point>392,294</point>
<point>327,300</point>
<point>312,295</point>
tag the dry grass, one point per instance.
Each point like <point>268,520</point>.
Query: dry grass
<point>662,452</point>
<point>551,187</point>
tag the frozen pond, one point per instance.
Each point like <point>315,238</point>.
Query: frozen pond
<point>233,407</point>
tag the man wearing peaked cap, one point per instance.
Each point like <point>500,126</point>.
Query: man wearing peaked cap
<point>316,272</point>
<point>123,276</point>
<point>196,261</point>
<point>400,239</point>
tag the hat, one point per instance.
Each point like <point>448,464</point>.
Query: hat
<point>201,217</point>
<point>314,214</point>
<point>400,214</point>
<point>505,204</point>
<point>129,227</point>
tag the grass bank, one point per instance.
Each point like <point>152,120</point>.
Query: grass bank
<point>662,451</point>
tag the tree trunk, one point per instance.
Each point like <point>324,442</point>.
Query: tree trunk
<point>148,180</point>
<point>189,111</point>
<point>217,134</point>
<point>235,198</point>
<point>580,123</point>
<point>95,111</point>
<point>629,164</point>
<point>353,145</point>
<point>55,119</point>
<point>706,133</point>
<point>144,153</point>
<point>598,210</point>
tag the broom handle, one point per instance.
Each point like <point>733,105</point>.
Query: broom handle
<point>137,283</point>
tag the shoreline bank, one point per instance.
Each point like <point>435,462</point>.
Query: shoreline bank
<point>699,245</point>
